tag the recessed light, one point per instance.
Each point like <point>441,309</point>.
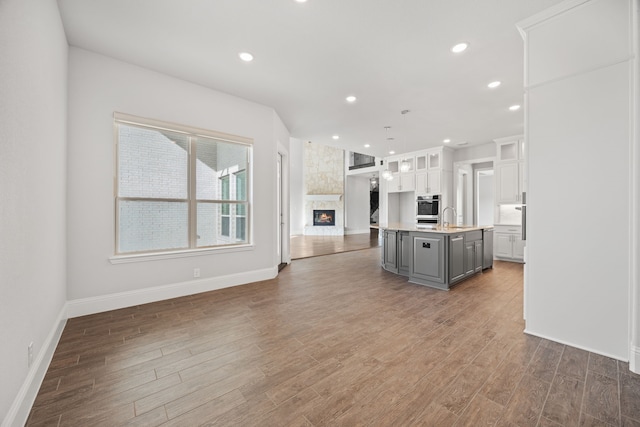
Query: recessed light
<point>494,85</point>
<point>301,1</point>
<point>351,98</point>
<point>460,47</point>
<point>446,141</point>
<point>367,145</point>
<point>392,152</point>
<point>246,56</point>
<point>514,108</point>
<point>336,137</point>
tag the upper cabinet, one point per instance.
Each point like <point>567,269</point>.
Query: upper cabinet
<point>403,177</point>
<point>429,160</point>
<point>510,170</point>
<point>510,150</point>
<point>432,167</point>
<point>393,165</point>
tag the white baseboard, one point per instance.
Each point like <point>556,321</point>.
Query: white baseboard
<point>361,231</point>
<point>85,306</point>
<point>21,407</point>
<point>611,356</point>
<point>634,360</point>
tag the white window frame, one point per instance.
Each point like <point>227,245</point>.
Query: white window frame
<point>193,135</point>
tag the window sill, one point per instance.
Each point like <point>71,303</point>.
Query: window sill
<point>124,259</point>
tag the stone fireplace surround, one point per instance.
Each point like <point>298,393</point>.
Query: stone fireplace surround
<point>324,202</point>
<point>323,187</point>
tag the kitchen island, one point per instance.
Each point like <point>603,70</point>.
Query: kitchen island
<point>438,257</point>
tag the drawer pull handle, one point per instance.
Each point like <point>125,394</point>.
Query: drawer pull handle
<point>426,245</point>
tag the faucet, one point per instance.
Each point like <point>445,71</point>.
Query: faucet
<point>445,224</point>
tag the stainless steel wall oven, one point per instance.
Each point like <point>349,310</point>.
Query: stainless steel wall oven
<point>428,211</point>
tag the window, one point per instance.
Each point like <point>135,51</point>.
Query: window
<point>179,188</point>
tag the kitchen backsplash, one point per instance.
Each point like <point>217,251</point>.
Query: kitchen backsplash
<point>507,214</point>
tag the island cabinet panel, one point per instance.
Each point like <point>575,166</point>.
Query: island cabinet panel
<point>404,253</point>
<point>469,257</point>
<point>456,257</point>
<point>428,261</point>
<point>479,256</point>
<point>389,251</point>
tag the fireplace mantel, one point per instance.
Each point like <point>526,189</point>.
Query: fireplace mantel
<point>323,197</point>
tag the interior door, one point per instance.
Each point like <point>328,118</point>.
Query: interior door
<point>280,226</point>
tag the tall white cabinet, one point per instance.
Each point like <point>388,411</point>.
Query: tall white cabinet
<point>510,184</point>
<point>581,109</point>
<point>510,169</point>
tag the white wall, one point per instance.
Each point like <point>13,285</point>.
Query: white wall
<point>357,199</point>
<point>402,207</point>
<point>33,117</point>
<point>579,141</point>
<point>98,86</point>
<point>296,163</point>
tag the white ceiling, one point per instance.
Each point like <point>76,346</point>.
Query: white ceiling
<point>391,54</point>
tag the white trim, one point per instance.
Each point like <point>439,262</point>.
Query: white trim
<point>92,305</point>
<point>22,404</point>
<point>634,360</point>
<point>622,60</point>
<point>508,139</point>
<point>179,128</point>
<point>634,197</point>
<point>571,344</point>
<point>548,14</point>
<point>123,259</point>
<point>285,170</point>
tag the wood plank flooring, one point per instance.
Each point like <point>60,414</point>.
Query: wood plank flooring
<point>334,340</point>
<point>309,246</point>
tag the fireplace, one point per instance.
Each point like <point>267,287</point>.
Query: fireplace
<point>324,217</point>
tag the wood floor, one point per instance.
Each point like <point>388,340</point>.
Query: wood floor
<point>334,340</point>
<point>308,246</point>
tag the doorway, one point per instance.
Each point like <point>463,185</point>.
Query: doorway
<point>474,191</point>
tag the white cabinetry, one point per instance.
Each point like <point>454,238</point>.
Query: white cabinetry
<point>429,171</point>
<point>510,170</point>
<point>508,243</point>
<point>402,180</point>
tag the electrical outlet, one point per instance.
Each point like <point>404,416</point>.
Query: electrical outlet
<point>30,354</point>
<point>196,272</point>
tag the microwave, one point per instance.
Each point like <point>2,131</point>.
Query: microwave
<point>428,210</point>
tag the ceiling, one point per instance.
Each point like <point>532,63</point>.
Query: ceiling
<point>393,55</point>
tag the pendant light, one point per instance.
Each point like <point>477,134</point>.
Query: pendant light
<point>405,166</point>
<point>386,174</point>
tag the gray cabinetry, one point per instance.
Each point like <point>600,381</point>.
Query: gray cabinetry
<point>404,252</point>
<point>469,257</point>
<point>478,256</point>
<point>456,257</point>
<point>389,251</point>
<point>473,252</point>
<point>428,260</point>
<point>437,259</point>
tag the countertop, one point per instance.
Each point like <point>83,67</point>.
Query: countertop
<point>404,226</point>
